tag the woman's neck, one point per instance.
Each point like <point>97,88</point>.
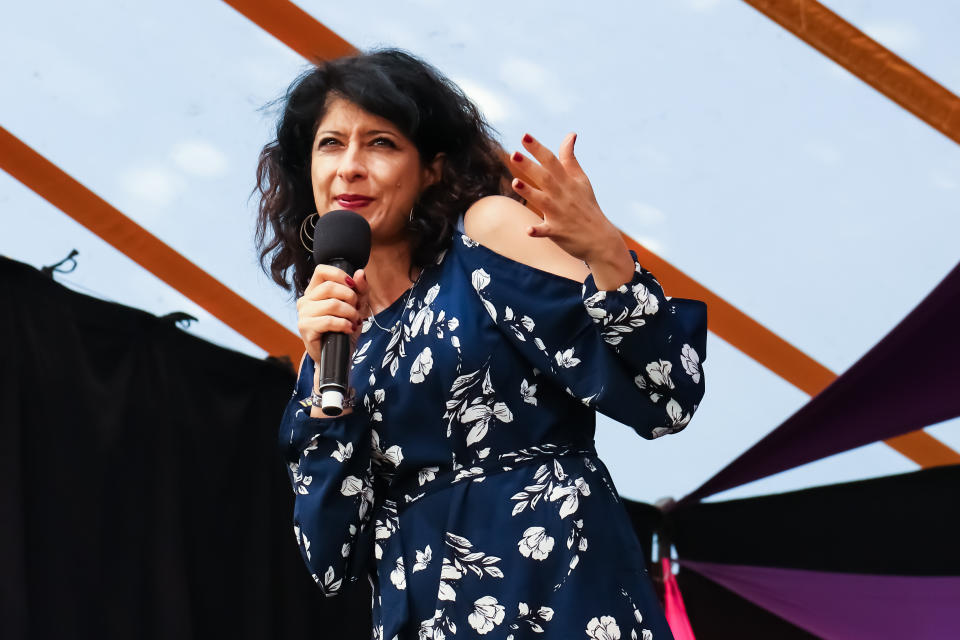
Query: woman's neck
<point>388,274</point>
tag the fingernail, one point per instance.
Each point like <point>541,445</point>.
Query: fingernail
<point>527,138</point>
<point>520,185</point>
<point>517,157</point>
<point>350,282</point>
<point>574,138</point>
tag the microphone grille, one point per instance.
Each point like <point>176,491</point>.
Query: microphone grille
<point>342,235</point>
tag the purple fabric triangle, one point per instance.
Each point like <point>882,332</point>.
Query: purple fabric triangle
<point>846,606</point>
<point>907,381</point>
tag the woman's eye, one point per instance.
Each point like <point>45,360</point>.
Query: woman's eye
<point>327,142</point>
<point>384,142</point>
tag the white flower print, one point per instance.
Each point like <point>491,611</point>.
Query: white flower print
<point>424,316</point>
<point>479,279</point>
<point>398,577</point>
<point>543,485</point>
<point>423,559</point>
<point>373,406</point>
<point>647,635</point>
<point>343,452</point>
<point>300,481</point>
<point>302,540</point>
<point>472,472</point>
<point>532,618</point>
<point>361,353</point>
<point>570,495</point>
<point>659,373</point>
<point>475,412</point>
<point>466,559</point>
<point>646,301</point>
<point>351,486</point>
<point>394,455</point>
<point>469,242</point>
<point>426,475</point>
<point>594,310</point>
<point>446,592</point>
<point>675,411</point>
<point>395,349</point>
<point>691,362</point>
<point>452,324</point>
<point>535,543</point>
<point>566,358</point>
<point>487,613</point>
<point>421,366</point>
<point>330,585</point>
<point>354,486</point>
<point>603,629</point>
<point>528,392</point>
<point>479,415</point>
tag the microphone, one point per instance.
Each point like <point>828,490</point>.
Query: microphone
<point>341,239</point>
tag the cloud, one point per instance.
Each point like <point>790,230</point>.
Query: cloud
<point>199,158</point>
<point>703,6</point>
<point>942,180</point>
<point>898,36</point>
<point>494,106</point>
<point>651,244</point>
<point>527,76</point>
<point>153,185</point>
<point>826,153</point>
<point>645,214</point>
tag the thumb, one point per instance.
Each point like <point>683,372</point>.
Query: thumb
<point>541,230</point>
<point>566,154</point>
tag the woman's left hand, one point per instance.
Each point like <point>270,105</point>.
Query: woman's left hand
<point>571,216</point>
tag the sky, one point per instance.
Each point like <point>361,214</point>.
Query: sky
<point>717,139</point>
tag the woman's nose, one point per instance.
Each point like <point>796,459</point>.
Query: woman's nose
<point>352,164</point>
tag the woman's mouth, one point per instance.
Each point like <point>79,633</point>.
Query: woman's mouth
<point>353,201</point>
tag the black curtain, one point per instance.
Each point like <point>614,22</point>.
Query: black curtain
<point>141,491</point>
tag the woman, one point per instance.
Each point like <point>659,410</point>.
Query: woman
<point>464,481</point>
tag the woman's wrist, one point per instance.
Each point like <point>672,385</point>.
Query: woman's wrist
<point>612,266</point>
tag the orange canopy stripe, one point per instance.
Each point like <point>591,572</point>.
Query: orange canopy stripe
<point>62,191</point>
<point>870,61</point>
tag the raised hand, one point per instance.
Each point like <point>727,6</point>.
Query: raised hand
<point>571,216</point>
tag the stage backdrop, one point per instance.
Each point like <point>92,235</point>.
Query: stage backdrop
<point>141,492</point>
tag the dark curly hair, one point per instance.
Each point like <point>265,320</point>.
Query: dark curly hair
<point>424,105</point>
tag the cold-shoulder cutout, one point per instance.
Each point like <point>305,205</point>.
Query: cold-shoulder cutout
<point>500,224</point>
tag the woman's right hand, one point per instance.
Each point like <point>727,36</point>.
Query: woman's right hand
<point>332,302</point>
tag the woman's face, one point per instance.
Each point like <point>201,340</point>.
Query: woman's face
<point>363,163</point>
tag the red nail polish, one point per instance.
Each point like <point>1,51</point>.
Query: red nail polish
<point>527,138</point>
<point>350,282</point>
<point>520,185</point>
<point>517,157</point>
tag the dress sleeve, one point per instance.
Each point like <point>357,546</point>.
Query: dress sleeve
<point>329,466</point>
<point>633,353</point>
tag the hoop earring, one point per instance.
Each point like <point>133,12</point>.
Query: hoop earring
<point>305,235</point>
<point>410,219</point>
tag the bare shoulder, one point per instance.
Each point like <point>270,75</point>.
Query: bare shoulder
<point>500,224</point>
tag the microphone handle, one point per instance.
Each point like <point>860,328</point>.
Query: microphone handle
<point>334,361</point>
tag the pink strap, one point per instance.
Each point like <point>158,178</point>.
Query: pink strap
<point>673,605</point>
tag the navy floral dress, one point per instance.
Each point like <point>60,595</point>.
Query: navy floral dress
<point>465,483</point>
